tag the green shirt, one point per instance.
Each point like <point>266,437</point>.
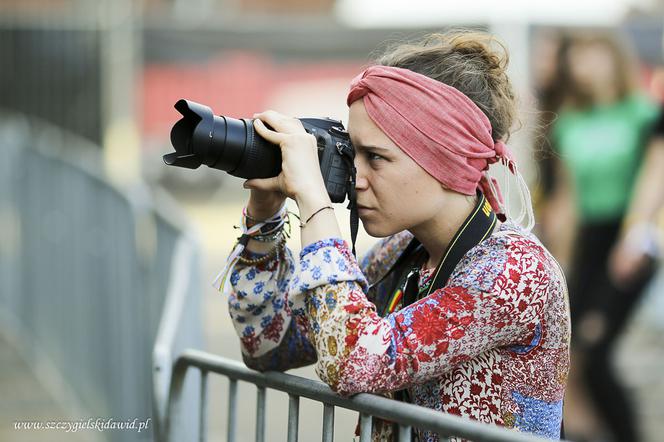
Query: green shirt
<point>602,148</point>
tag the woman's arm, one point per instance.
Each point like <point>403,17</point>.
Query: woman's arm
<point>267,350</point>
<point>272,328</point>
<point>648,196</point>
<point>639,232</point>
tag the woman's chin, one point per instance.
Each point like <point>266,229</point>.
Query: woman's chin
<point>375,230</point>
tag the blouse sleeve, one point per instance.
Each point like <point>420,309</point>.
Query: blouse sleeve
<point>495,301</point>
<point>271,326</point>
<point>382,256</point>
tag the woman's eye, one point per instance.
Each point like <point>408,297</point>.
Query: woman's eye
<point>375,156</point>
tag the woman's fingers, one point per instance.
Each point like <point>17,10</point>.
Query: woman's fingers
<point>286,131</point>
<point>280,122</point>
<point>270,135</point>
<point>300,167</point>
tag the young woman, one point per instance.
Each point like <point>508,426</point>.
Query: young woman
<point>601,136</point>
<point>452,309</point>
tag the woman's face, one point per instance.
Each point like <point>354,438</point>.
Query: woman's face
<point>593,67</point>
<point>393,192</point>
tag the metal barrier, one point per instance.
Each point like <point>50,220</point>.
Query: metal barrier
<point>407,416</point>
<point>85,267</point>
<point>178,329</point>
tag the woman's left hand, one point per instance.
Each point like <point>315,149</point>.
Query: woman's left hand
<point>300,175</point>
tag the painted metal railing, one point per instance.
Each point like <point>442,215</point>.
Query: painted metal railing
<point>87,270</point>
<point>406,416</point>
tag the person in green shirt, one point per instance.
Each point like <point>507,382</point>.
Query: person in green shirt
<point>599,139</point>
<point>602,146</point>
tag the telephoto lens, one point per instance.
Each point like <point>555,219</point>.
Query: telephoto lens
<point>232,145</point>
<point>223,143</point>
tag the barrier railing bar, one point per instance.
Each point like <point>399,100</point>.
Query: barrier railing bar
<point>381,407</point>
<point>293,417</point>
<point>202,418</point>
<point>365,427</point>
<point>260,414</point>
<point>328,423</point>
<point>404,433</point>
<point>232,409</point>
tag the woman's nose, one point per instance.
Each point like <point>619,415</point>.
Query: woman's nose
<point>361,182</point>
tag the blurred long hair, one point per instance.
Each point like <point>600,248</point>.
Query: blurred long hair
<point>569,93</point>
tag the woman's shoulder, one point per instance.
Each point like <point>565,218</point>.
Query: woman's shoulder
<point>515,241</point>
<point>509,250</point>
<point>382,256</point>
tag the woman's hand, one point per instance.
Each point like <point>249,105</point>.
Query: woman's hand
<point>300,178</point>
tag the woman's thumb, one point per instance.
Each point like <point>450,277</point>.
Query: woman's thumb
<point>270,184</point>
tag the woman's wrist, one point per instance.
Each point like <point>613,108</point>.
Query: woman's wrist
<point>264,247</point>
<point>321,224</point>
<point>311,201</point>
<point>258,211</point>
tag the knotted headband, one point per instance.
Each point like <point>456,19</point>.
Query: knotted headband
<point>438,126</point>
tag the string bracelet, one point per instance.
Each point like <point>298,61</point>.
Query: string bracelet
<point>264,227</point>
<point>272,226</point>
<point>303,224</point>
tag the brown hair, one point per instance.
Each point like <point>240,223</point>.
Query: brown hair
<point>473,62</point>
<point>625,77</point>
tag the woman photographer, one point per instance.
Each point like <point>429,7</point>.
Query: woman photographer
<point>452,309</point>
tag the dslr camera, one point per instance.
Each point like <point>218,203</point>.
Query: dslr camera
<point>232,145</point>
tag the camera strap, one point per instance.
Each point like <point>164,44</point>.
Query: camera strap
<point>475,228</point>
<point>348,155</point>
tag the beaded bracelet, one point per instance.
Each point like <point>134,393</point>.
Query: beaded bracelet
<point>267,230</point>
<point>255,261</point>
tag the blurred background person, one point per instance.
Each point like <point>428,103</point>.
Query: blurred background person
<point>600,136</point>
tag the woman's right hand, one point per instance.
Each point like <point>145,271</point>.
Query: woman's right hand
<point>263,203</point>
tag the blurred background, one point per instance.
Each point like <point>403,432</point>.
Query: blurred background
<point>107,255</point>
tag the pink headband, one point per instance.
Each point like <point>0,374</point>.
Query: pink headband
<point>439,127</point>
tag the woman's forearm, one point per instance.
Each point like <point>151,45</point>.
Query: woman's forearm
<point>648,196</point>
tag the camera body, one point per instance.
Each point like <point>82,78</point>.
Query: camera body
<point>232,145</point>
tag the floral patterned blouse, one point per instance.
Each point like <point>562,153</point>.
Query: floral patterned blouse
<point>492,345</point>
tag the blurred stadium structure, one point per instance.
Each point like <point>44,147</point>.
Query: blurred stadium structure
<point>88,250</point>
